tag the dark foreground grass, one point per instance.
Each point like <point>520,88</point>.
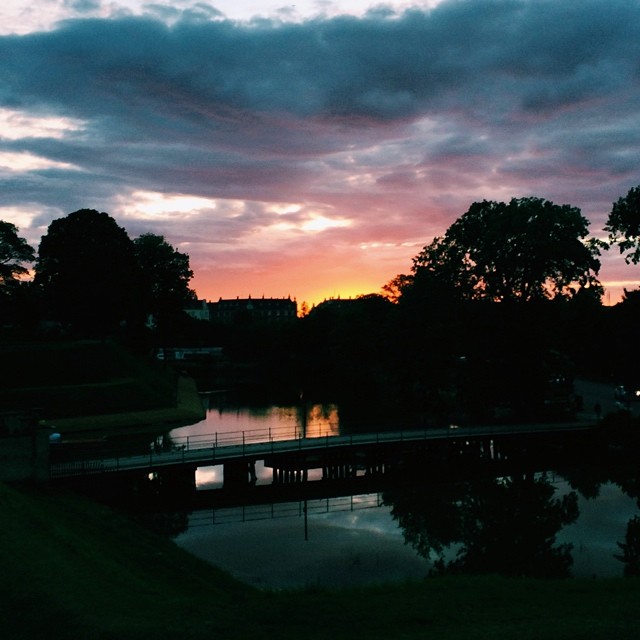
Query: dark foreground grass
<point>67,378</point>
<point>73,569</point>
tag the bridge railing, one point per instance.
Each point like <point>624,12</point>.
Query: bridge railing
<point>218,447</point>
<point>250,436</point>
<point>311,435</point>
<point>289,509</point>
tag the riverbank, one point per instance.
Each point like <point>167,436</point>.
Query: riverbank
<point>74,569</point>
<point>188,410</point>
<point>68,378</point>
<point>74,386</point>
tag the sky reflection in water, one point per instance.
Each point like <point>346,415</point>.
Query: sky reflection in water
<point>364,546</point>
<point>355,540</point>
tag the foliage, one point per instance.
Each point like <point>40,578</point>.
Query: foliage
<point>95,279</point>
<point>631,548</point>
<point>346,352</point>
<point>16,299</point>
<point>524,250</point>
<point>623,225</point>
<point>165,274</point>
<point>394,289</point>
<point>14,251</point>
<point>462,355</point>
<point>87,271</point>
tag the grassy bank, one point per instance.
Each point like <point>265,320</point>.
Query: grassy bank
<point>75,378</point>
<point>90,385</point>
<point>187,410</point>
<point>73,569</point>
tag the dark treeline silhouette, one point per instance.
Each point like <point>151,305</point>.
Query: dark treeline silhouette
<point>93,280</point>
<point>493,322</point>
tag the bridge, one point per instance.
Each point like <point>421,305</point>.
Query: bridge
<point>291,454</point>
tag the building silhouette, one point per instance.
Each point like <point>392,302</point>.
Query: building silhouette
<point>270,310</point>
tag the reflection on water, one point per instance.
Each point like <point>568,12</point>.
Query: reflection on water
<point>601,525</point>
<point>360,540</point>
<point>282,422</point>
<point>541,525</point>
<point>256,424</point>
<point>504,525</point>
<point>345,547</point>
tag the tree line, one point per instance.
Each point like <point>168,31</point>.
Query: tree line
<point>92,279</point>
<point>492,322</point>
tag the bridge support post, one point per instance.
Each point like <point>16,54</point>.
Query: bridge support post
<point>238,473</point>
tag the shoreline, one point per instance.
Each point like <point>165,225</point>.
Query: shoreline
<point>188,410</point>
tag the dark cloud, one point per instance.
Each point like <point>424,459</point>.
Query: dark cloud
<point>82,6</point>
<point>534,55</point>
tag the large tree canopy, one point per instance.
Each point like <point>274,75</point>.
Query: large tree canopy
<point>623,225</point>
<point>87,271</point>
<point>14,251</point>
<point>527,249</point>
<point>165,275</point>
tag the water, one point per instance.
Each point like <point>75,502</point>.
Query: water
<point>602,523</point>
<point>355,540</point>
<point>349,545</point>
<point>341,548</point>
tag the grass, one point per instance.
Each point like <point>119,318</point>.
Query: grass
<point>74,569</point>
<point>75,378</point>
<point>187,410</point>
<point>96,386</point>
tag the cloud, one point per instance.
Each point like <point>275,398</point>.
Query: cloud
<point>82,6</point>
<point>527,56</point>
<point>385,127</point>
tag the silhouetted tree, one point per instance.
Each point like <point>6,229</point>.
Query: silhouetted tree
<point>14,251</point>
<point>524,250</point>
<point>347,352</point>
<point>631,298</point>
<point>631,548</point>
<point>620,350</point>
<point>165,274</point>
<point>394,289</point>
<point>623,225</point>
<point>87,272</point>
<point>465,299</point>
<point>16,301</point>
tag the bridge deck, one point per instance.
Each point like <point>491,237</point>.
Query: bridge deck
<point>214,450</point>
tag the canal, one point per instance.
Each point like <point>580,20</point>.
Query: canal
<point>553,523</point>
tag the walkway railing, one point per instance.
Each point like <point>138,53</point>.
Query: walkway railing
<point>313,436</point>
<point>251,436</point>
<point>212,449</point>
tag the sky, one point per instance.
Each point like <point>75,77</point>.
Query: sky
<point>312,149</point>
